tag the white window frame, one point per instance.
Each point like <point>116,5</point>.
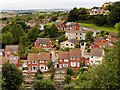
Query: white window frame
<point>72,58</point>
<point>65,65</point>
<point>33,62</point>
<point>60,65</point>
<point>73,64</point>
<point>44,45</point>
<point>60,60</point>
<point>65,60</point>
<point>78,58</point>
<point>41,61</point>
<point>78,64</point>
<point>29,62</point>
<point>35,68</point>
<point>42,66</point>
<point>29,68</point>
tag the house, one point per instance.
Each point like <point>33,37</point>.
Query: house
<point>69,43</point>
<point>43,42</point>
<point>71,58</point>
<point>98,11</point>
<point>1,52</point>
<point>44,21</point>
<point>72,26</point>
<point>96,56</point>
<point>100,41</point>
<point>60,25</point>
<point>2,61</point>
<point>76,34</point>
<point>10,49</point>
<point>37,61</point>
<point>15,60</point>
<point>111,37</point>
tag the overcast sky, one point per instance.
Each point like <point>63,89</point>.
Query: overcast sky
<point>40,4</point>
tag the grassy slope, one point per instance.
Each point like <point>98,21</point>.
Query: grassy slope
<point>109,29</point>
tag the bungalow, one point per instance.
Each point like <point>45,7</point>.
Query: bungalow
<point>60,25</point>
<point>69,43</point>
<point>111,37</point>
<point>37,61</point>
<point>43,42</point>
<point>96,56</point>
<point>72,58</point>
<point>10,49</point>
<point>100,41</point>
<point>72,26</point>
<point>15,60</point>
<point>76,34</point>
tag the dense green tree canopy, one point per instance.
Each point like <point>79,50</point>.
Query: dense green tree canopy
<point>88,36</point>
<point>12,76</point>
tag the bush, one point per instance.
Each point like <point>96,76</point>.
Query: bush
<point>77,45</point>
<point>22,61</point>
<point>82,64</point>
<point>66,49</point>
<point>69,71</point>
<point>39,77</point>
<point>68,87</point>
<point>52,75</point>
<point>67,79</point>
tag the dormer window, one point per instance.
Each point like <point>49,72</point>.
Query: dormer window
<point>8,52</point>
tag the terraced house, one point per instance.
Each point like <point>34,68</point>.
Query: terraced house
<point>72,58</point>
<point>36,61</point>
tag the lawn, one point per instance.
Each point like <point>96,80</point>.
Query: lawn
<point>49,23</point>
<point>109,29</point>
<point>73,81</point>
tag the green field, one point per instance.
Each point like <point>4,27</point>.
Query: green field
<point>49,23</point>
<point>109,29</point>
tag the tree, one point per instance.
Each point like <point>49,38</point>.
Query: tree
<point>7,38</point>
<point>43,84</point>
<point>77,45</point>
<point>12,76</point>
<point>114,16</point>
<point>108,7</point>
<point>39,77</point>
<point>70,71</point>
<point>88,36</point>
<point>83,13</point>
<point>100,20</point>
<point>105,75</point>
<point>54,18</point>
<point>67,79</point>
<point>67,49</point>
<point>73,15</point>
<point>50,64</point>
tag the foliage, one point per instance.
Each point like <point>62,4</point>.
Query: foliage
<point>100,20</point>
<point>83,13</point>
<point>68,87</point>
<point>114,15</point>
<point>105,75</point>
<point>67,79</point>
<point>54,18</point>
<point>36,50</point>
<point>7,38</point>
<point>39,77</point>
<point>77,45</point>
<point>88,36</point>
<point>43,84</point>
<point>67,49</point>
<point>50,64</point>
<point>12,76</point>
<point>82,64</point>
<point>52,75</point>
<point>22,61</point>
<point>69,71</point>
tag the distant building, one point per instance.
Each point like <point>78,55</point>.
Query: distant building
<point>44,21</point>
<point>98,11</point>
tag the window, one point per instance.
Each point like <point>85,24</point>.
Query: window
<point>103,41</point>
<point>78,58</point>
<point>65,65</point>
<point>91,56</point>
<point>41,61</point>
<point>34,62</point>
<point>49,41</point>
<point>73,64</point>
<point>60,60</point>
<point>60,65</point>
<point>72,58</point>
<point>71,44</point>
<point>46,67</point>
<point>14,58</point>
<point>76,37</point>
<point>78,64</point>
<point>80,38</point>
<point>44,45</point>
<point>67,44</point>
<point>80,34</point>
<point>29,67</point>
<point>71,37</point>
<point>46,61</point>
<point>100,42</point>
<point>87,62</point>
<point>8,52</point>
<point>65,60</point>
<point>29,62</point>
<point>36,44</point>
<point>42,67</point>
<point>76,34</point>
<point>10,58</point>
<point>34,68</point>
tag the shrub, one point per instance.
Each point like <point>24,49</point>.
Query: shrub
<point>69,71</point>
<point>67,79</point>
<point>39,77</point>
<point>22,61</point>
<point>66,49</point>
<point>68,87</point>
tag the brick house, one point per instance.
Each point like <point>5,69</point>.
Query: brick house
<point>96,56</point>
<point>10,49</point>
<point>69,43</point>
<point>111,37</point>
<point>60,25</point>
<point>37,61</point>
<point>2,61</point>
<point>43,42</point>
<point>72,26</point>
<point>71,58</point>
<point>15,60</point>
<point>76,34</point>
<point>98,11</point>
<point>44,21</point>
<point>100,41</point>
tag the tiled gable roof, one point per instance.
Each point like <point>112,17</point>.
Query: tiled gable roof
<point>98,38</point>
<point>11,47</point>
<point>96,52</point>
<point>43,40</point>
<point>75,41</point>
<point>63,55</point>
<point>75,53</point>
